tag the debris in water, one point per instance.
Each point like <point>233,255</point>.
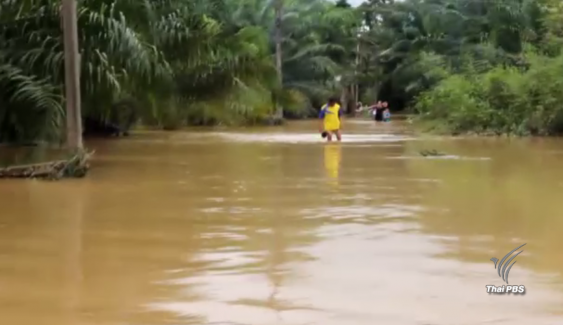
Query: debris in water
<point>432,152</point>
<point>75,166</point>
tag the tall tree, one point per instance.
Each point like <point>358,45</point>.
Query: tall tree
<point>278,40</point>
<point>72,76</point>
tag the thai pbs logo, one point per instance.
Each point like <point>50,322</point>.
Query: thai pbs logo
<point>503,270</point>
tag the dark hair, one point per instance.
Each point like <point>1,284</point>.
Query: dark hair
<point>332,100</point>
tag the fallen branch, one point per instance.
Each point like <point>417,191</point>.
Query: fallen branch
<point>75,166</point>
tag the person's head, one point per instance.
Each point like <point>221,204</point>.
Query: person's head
<point>332,101</point>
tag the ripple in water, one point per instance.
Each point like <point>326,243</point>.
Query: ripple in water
<point>357,211</point>
<point>311,137</point>
<point>446,157</point>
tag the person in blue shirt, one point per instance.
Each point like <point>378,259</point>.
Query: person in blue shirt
<point>386,113</point>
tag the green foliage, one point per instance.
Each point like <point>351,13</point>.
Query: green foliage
<point>503,100</point>
<point>167,62</point>
<point>35,110</point>
<point>468,65</point>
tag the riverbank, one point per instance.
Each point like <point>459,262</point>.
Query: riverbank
<point>440,127</point>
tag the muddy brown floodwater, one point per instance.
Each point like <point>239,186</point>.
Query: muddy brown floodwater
<point>271,226</point>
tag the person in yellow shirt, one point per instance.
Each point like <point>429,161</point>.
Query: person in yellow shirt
<point>331,120</point>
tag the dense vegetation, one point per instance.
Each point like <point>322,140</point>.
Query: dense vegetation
<point>464,65</point>
<point>470,65</point>
<point>171,62</point>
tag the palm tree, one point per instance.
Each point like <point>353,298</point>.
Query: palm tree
<point>170,62</point>
<point>162,54</point>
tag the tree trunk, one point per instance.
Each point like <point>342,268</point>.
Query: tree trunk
<point>278,40</point>
<point>344,98</point>
<point>72,76</point>
<point>355,100</point>
<point>356,88</point>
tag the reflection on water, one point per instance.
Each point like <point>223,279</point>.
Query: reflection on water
<point>195,228</point>
<point>333,155</point>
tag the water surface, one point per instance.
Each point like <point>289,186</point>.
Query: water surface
<point>272,226</point>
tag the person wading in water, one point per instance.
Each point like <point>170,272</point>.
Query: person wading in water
<point>386,113</point>
<point>380,111</point>
<point>331,120</point>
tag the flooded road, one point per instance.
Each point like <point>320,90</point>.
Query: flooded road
<point>272,226</point>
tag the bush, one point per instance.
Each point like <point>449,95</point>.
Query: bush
<point>503,100</point>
